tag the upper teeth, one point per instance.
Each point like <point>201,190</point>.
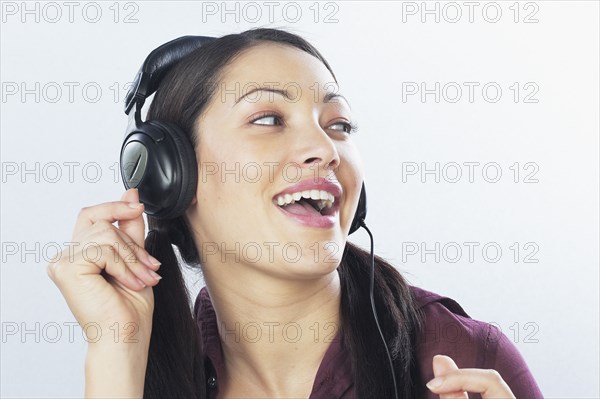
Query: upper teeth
<point>325,199</point>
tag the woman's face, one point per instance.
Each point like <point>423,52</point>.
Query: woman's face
<point>255,146</point>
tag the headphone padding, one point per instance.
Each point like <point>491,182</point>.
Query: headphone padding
<point>187,166</point>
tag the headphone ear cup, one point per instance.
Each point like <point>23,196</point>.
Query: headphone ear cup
<point>361,211</point>
<point>187,166</point>
<point>160,160</point>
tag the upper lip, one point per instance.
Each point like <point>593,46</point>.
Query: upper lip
<point>319,183</point>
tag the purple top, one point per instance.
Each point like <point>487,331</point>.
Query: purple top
<point>448,330</point>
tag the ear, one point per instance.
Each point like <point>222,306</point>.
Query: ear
<point>194,201</point>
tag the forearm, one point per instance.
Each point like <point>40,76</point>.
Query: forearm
<point>116,371</point>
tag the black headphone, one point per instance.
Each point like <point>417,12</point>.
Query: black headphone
<point>158,157</point>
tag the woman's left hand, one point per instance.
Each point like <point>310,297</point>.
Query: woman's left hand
<point>454,383</point>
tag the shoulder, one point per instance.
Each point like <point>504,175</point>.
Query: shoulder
<point>424,298</point>
<point>448,330</point>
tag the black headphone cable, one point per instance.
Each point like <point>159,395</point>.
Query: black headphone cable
<point>372,283</point>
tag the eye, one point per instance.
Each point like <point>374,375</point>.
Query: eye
<point>267,119</point>
<point>347,127</point>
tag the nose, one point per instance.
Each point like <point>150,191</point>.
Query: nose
<point>316,147</point>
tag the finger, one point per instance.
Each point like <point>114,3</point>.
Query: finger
<point>488,383</point>
<point>91,260</point>
<point>443,365</point>
<point>134,228</point>
<point>108,211</point>
<point>112,242</point>
<point>133,248</point>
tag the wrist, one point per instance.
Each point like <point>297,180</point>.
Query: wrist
<point>115,370</point>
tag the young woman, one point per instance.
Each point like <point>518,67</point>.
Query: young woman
<point>286,310</point>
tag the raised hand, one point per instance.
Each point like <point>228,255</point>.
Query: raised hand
<point>107,275</point>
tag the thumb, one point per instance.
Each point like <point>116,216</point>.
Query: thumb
<point>134,228</point>
<point>442,365</point>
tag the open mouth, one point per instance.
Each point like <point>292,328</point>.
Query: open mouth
<point>308,203</point>
<point>311,202</point>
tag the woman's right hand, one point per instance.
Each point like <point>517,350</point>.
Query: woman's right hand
<point>106,275</point>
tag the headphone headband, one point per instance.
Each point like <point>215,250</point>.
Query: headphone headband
<point>157,64</point>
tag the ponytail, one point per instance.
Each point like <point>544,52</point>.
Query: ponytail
<point>175,368</point>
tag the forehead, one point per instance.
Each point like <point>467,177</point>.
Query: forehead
<point>276,64</point>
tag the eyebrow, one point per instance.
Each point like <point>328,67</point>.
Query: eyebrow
<point>326,99</point>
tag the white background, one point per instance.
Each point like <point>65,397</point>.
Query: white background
<point>376,49</point>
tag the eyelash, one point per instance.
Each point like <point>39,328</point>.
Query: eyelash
<point>353,127</point>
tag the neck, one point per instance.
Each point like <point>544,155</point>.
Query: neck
<point>274,332</point>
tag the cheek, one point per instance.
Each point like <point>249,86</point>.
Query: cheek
<point>221,214</point>
<point>350,174</point>
<point>214,193</point>
<point>226,190</point>
<point>354,157</point>
<point>351,167</point>
<point>215,161</point>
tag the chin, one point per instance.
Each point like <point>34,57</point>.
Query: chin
<point>310,271</point>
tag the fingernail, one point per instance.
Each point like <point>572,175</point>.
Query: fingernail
<point>154,261</point>
<point>135,204</point>
<point>155,275</point>
<point>141,282</point>
<point>435,383</point>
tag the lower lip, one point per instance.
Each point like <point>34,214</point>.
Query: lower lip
<point>321,221</point>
